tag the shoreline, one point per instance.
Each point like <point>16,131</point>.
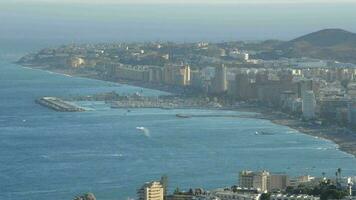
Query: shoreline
<point>344,138</point>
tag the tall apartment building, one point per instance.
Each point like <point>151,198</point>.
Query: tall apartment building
<point>155,74</point>
<point>277,182</point>
<point>308,105</point>
<point>151,191</point>
<point>182,75</point>
<point>220,79</point>
<point>250,179</point>
<point>176,75</point>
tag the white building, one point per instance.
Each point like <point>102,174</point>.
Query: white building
<point>151,191</point>
<point>308,105</point>
<point>239,55</point>
<point>257,180</point>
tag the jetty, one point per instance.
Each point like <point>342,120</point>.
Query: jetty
<point>58,104</point>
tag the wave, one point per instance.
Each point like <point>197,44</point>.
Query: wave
<point>35,192</point>
<point>82,155</point>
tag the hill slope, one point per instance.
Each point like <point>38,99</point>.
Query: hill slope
<point>329,44</point>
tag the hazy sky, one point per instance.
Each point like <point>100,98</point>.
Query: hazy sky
<point>185,1</point>
<point>177,20</point>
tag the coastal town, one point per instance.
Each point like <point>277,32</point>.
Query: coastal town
<point>315,96</point>
<point>255,185</point>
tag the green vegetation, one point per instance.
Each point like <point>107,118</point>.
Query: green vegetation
<point>265,196</point>
<point>326,190</point>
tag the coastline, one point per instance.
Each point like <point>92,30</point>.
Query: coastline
<point>344,138</point>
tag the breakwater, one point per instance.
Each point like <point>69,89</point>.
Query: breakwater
<point>58,104</point>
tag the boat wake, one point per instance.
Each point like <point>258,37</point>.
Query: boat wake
<point>144,131</point>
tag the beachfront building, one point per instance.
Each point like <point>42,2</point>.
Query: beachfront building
<point>250,179</point>
<point>151,191</point>
<point>220,79</point>
<point>277,182</point>
<point>176,75</point>
<point>308,105</point>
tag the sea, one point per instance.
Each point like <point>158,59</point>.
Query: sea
<point>57,155</point>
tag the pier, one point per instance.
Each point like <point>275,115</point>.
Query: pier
<point>58,104</point>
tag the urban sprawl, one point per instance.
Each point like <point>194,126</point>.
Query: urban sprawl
<point>315,92</point>
<point>319,91</point>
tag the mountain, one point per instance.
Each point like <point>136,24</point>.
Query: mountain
<point>329,44</point>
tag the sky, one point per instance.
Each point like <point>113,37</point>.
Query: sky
<point>173,20</point>
<point>184,1</point>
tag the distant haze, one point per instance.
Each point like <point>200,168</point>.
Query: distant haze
<point>140,20</point>
<point>185,1</point>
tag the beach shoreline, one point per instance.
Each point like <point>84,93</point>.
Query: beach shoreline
<point>344,138</point>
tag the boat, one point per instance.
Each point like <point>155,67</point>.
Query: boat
<point>183,116</point>
<point>263,133</point>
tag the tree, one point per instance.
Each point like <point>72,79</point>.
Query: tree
<point>265,196</point>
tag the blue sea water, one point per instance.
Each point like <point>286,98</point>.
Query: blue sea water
<point>46,154</point>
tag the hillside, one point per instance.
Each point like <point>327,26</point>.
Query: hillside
<point>329,44</point>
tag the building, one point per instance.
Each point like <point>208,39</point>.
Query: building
<point>151,191</point>
<point>303,86</point>
<point>308,105</point>
<point>351,114</point>
<point>182,196</point>
<point>164,182</point>
<point>182,76</point>
<point>293,197</point>
<point>235,53</point>
<point>220,80</point>
<point>305,180</point>
<point>155,74</point>
<point>287,98</point>
<point>136,73</point>
<point>76,62</point>
<point>277,182</point>
<point>176,75</point>
<point>246,88</point>
<point>189,195</point>
<point>250,179</point>
<point>224,194</point>
<point>246,179</point>
<point>330,105</point>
